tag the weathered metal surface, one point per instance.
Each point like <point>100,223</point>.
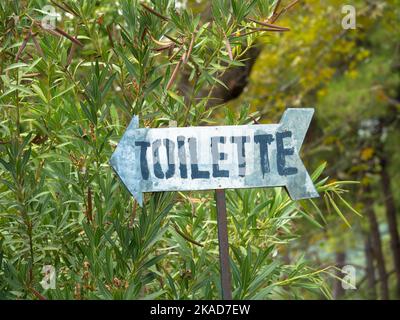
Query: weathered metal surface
<point>202,158</point>
<point>223,242</point>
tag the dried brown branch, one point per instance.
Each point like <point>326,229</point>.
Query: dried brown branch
<point>61,7</point>
<point>37,294</point>
<point>186,237</point>
<point>57,32</point>
<point>37,46</point>
<point>174,74</point>
<point>175,54</point>
<point>65,7</point>
<point>159,43</point>
<point>268,29</point>
<point>228,47</point>
<point>154,12</point>
<point>108,28</point>
<point>173,39</point>
<point>71,54</point>
<point>187,55</point>
<point>284,10</point>
<point>278,3</point>
<point>69,37</point>
<point>270,25</point>
<point>23,45</point>
<point>89,206</point>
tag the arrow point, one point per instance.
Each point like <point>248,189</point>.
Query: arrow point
<point>124,177</point>
<point>134,124</point>
<point>296,114</point>
<point>297,120</point>
<point>296,194</point>
<point>301,186</point>
<point>119,162</point>
<point>139,198</point>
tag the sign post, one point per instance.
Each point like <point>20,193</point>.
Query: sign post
<point>223,157</point>
<point>223,242</point>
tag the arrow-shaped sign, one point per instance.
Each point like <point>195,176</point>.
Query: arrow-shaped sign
<point>205,158</point>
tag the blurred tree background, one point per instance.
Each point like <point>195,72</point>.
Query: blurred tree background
<point>67,94</point>
<point>352,78</point>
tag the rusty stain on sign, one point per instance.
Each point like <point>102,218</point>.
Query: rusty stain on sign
<point>222,157</point>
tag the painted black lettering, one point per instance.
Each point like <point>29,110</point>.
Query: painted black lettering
<point>264,140</point>
<point>156,159</point>
<point>218,156</point>
<point>144,168</point>
<point>240,142</point>
<point>182,156</point>
<point>170,146</point>
<point>196,173</point>
<point>282,152</point>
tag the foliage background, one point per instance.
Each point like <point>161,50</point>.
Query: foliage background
<point>67,95</point>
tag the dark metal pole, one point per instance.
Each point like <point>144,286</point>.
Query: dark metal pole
<point>223,245</point>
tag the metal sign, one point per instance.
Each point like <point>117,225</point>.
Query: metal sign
<point>223,157</point>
